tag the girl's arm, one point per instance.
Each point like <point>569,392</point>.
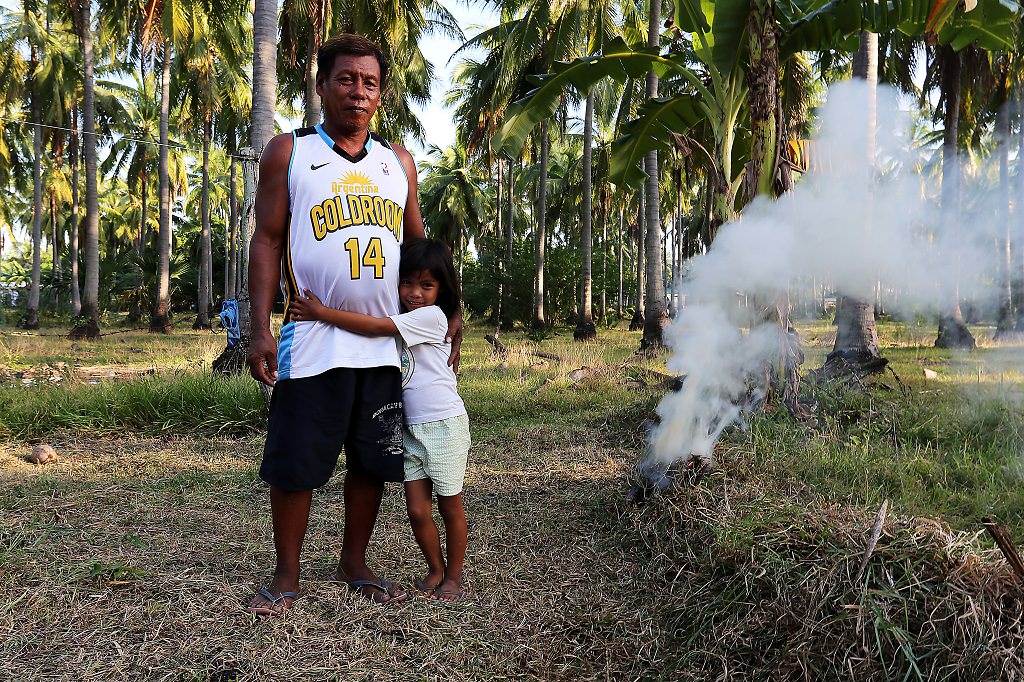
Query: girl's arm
<point>309,307</point>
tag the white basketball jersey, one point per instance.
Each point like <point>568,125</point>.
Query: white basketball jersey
<point>344,238</point>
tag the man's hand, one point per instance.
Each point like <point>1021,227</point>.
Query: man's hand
<point>454,337</point>
<point>263,357</point>
<point>306,307</point>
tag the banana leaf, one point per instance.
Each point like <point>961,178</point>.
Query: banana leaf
<point>652,131</point>
<point>618,61</point>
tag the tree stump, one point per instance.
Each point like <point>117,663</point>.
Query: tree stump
<point>585,330</point>
<point>953,333</point>
<point>85,329</point>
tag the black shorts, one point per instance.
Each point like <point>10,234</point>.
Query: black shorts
<point>313,417</point>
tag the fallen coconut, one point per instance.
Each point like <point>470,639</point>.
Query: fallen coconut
<point>44,454</point>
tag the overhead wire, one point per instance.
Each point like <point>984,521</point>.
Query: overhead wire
<point>112,138</point>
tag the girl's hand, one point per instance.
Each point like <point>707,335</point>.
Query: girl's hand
<point>306,307</point>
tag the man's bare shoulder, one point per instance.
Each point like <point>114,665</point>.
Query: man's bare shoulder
<point>405,157</point>
<point>277,153</point>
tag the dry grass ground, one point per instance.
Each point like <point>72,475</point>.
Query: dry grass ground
<point>132,558</point>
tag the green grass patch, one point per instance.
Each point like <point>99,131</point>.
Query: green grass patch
<point>192,403</point>
<point>950,447</point>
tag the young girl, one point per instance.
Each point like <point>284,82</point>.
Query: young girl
<point>436,424</point>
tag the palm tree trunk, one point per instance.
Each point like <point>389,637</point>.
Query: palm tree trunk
<point>264,72</point>
<point>90,317</point>
<point>31,320</point>
<point>655,315</point>
<point>500,260</point>
<point>246,222</point>
<point>264,105</point>
<point>140,245</point>
<point>509,236</point>
<point>542,195</point>
<point>674,270</point>
<point>585,329</point>
<point>603,310</point>
<point>953,332</point>
<point>160,320</point>
<point>232,358</point>
<point>54,250</point>
<point>763,98</point>
<point>312,115</point>
<point>76,293</point>
<point>462,250</point>
<point>641,240</point>
<point>232,236</point>
<point>621,249</point>
<point>1020,202</point>
<point>1005,251</point>
<point>205,245</point>
<point>856,344</point>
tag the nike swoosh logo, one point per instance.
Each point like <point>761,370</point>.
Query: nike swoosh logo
<point>314,167</point>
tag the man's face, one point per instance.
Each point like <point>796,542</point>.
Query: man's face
<point>350,94</point>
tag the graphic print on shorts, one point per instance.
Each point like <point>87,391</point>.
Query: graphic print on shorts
<point>408,365</point>
<point>390,419</point>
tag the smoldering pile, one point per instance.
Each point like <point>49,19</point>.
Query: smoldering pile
<point>854,224</point>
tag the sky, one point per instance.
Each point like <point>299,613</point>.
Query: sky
<point>436,118</point>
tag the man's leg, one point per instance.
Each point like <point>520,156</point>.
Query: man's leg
<point>420,505</point>
<point>373,454</point>
<point>290,511</point>
<point>363,496</point>
<point>456,536</point>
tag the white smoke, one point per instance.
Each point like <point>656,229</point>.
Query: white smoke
<point>848,223</point>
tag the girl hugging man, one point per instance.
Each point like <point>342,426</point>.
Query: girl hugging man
<point>436,432</point>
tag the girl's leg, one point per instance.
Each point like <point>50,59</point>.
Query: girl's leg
<point>457,536</point>
<point>421,517</point>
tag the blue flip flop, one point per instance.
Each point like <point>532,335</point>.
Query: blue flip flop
<point>384,586</point>
<point>277,605</point>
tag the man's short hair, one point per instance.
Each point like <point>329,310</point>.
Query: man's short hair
<point>352,45</point>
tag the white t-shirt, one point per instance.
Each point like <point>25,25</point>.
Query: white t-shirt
<point>429,389</point>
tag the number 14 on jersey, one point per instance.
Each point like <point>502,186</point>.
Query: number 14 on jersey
<point>372,257</point>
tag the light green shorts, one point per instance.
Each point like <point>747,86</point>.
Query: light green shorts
<point>438,451</point>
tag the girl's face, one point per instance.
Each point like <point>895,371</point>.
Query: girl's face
<point>418,289</point>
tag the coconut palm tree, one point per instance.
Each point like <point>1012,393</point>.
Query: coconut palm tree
<point>158,28</point>
<point>454,199</point>
<point>90,312</point>
<point>655,312</point>
<point>953,331</point>
<point>531,37</point>
<point>137,130</point>
<point>856,344</point>
<point>264,73</point>
<point>21,33</point>
<point>212,59</point>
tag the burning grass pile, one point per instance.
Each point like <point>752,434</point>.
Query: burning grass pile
<point>753,584</point>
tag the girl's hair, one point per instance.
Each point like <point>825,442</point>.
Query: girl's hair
<point>434,257</point>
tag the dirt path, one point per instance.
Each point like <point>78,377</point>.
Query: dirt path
<point>132,560</point>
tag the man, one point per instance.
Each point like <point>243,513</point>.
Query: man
<point>333,205</point>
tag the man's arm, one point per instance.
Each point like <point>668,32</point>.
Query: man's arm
<point>265,250</point>
<point>309,307</point>
<point>412,226</point>
<point>412,221</point>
